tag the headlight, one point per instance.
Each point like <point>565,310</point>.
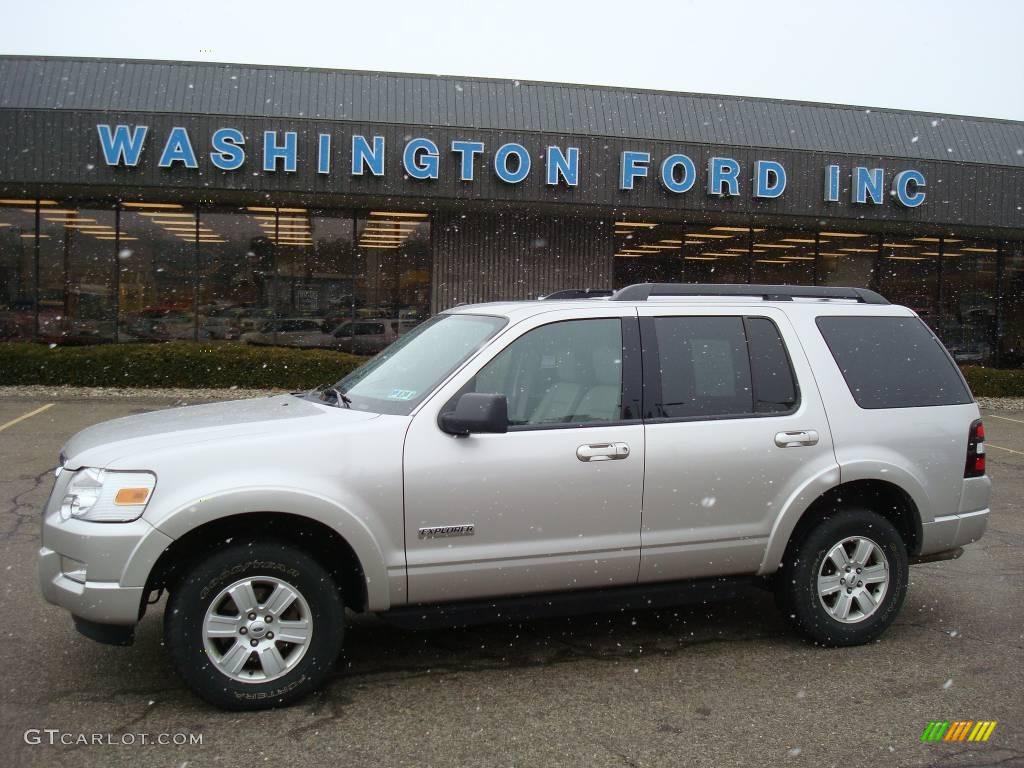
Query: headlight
<point>107,497</point>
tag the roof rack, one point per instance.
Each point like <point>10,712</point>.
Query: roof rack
<point>578,293</point>
<point>644,291</point>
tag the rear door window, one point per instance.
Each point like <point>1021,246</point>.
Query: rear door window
<point>704,367</point>
<point>893,362</point>
<point>771,375</point>
<point>719,367</point>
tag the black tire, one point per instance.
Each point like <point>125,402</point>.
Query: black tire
<point>204,581</point>
<point>797,585</point>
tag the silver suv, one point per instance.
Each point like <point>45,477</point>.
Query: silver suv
<point>567,453</point>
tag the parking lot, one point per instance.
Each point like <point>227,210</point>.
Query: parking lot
<point>727,684</point>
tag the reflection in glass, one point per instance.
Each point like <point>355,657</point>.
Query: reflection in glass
<point>909,274</point>
<point>236,272</point>
<point>967,311</point>
<point>156,262</point>
<point>1011,310</point>
<point>718,253</point>
<point>783,257</point>
<point>76,275</point>
<point>847,258</point>
<point>646,252</point>
<point>17,271</point>
<point>391,272</point>
<point>314,262</point>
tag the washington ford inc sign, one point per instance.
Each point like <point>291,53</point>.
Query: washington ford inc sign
<point>512,163</point>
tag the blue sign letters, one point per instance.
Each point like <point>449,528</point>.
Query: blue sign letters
<point>122,145</point>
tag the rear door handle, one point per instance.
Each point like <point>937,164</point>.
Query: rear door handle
<point>602,451</point>
<point>796,439</point>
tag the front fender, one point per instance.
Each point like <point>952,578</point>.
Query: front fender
<point>188,517</point>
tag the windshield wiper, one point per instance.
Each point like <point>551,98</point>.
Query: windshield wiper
<point>340,398</point>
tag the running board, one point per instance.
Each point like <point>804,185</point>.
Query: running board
<point>561,604</point>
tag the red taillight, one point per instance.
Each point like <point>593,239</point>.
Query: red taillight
<point>975,466</point>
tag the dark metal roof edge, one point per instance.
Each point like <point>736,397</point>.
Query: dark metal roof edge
<point>522,81</point>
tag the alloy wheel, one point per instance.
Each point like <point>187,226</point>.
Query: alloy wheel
<point>257,629</point>
<point>853,579</point>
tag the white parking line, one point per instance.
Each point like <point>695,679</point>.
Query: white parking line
<point>1004,418</point>
<point>28,415</point>
<point>1008,450</point>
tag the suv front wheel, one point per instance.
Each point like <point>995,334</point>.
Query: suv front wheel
<point>254,626</point>
<point>844,580</point>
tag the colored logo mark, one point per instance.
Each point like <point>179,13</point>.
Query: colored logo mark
<point>958,730</point>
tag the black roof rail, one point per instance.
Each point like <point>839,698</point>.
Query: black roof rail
<point>643,291</point>
<point>578,293</point>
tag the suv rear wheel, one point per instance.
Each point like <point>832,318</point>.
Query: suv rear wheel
<point>845,579</point>
<point>254,626</point>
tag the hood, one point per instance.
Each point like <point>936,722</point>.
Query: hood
<point>104,443</point>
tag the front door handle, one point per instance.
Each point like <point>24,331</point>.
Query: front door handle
<point>796,439</point>
<point>602,451</point>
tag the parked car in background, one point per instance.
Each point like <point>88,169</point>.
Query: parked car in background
<point>224,323</point>
<point>18,322</point>
<point>364,337</point>
<point>287,332</point>
<point>161,324</point>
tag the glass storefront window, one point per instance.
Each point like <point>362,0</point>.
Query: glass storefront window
<point>392,280</point>
<point>646,252</point>
<point>293,277</point>
<point>783,257</point>
<point>718,253</point>
<point>77,302</point>
<point>909,274</point>
<point>314,263</point>
<point>17,270</point>
<point>351,281</point>
<point>1011,308</point>
<point>847,258</point>
<point>236,273</point>
<point>967,310</point>
<point>156,272</point>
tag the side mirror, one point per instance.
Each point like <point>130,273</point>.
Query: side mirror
<point>476,412</point>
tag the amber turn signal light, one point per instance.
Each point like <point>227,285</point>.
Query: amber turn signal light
<point>131,496</point>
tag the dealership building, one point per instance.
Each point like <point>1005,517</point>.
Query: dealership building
<point>148,200</point>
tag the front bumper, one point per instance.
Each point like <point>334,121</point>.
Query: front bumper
<point>102,602</point>
<point>116,559</point>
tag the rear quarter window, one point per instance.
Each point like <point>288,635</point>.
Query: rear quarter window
<point>893,362</point>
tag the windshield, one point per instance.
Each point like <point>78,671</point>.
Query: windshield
<point>397,380</point>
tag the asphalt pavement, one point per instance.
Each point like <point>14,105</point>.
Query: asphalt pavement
<point>727,684</point>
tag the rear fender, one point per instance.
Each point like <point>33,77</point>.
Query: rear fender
<point>810,492</point>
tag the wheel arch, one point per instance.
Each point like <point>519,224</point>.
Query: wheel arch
<point>889,499</point>
<point>318,539</point>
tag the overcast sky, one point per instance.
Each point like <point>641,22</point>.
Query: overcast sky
<point>960,57</point>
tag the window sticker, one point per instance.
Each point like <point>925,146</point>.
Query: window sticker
<point>402,394</point>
